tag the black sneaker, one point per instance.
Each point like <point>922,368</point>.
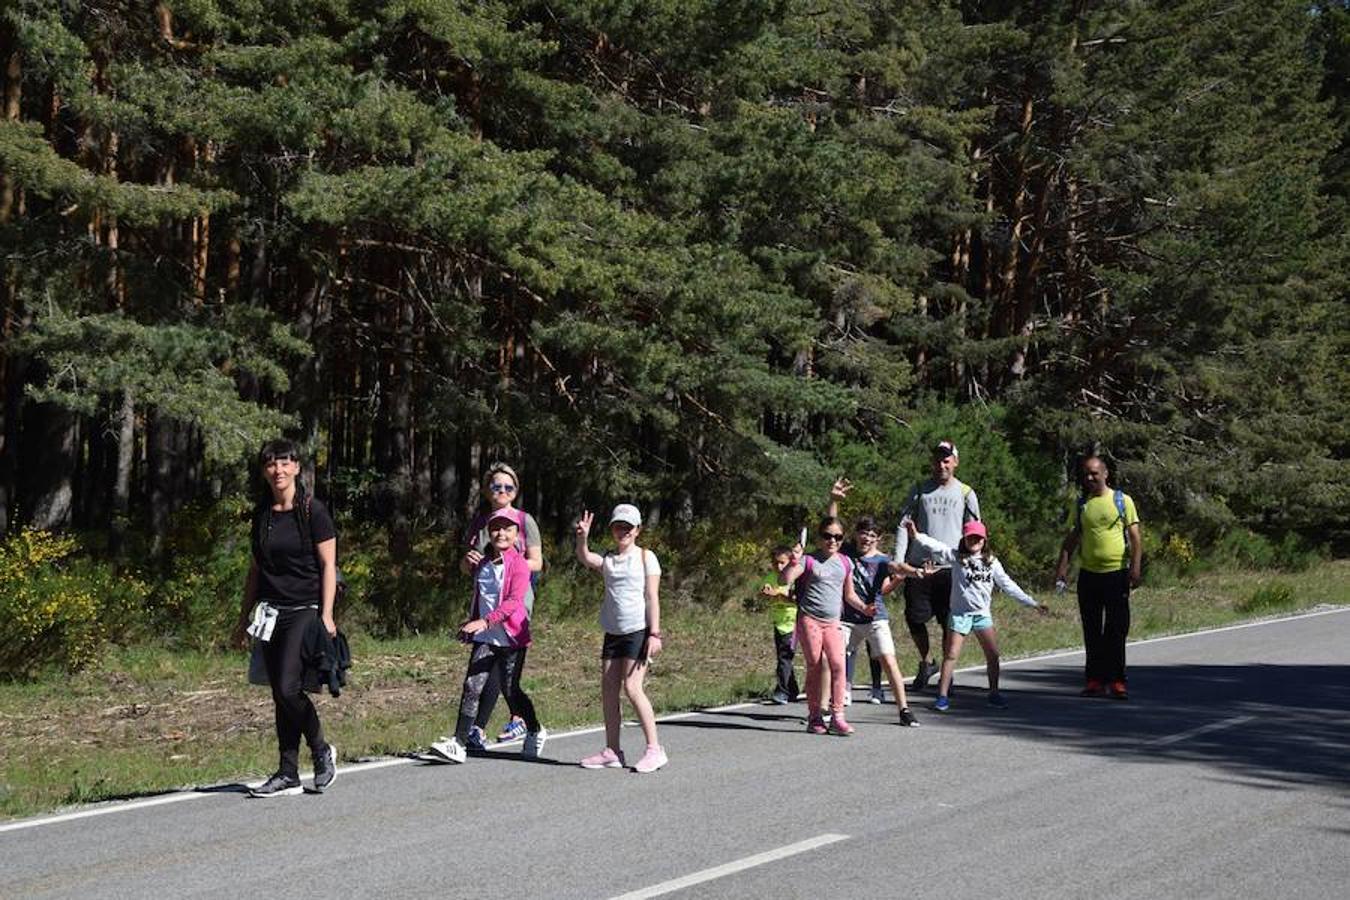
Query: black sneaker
<point>921,678</point>
<point>907,719</point>
<point>277,786</point>
<point>325,769</point>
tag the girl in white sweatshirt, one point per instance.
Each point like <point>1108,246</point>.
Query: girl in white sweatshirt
<point>975,573</point>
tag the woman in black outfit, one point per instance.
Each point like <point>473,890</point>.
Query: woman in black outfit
<point>294,577</point>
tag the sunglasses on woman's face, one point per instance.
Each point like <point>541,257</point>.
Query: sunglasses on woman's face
<point>502,488</point>
<point>832,536</point>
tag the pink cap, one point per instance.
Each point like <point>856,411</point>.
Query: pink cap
<point>974,526</point>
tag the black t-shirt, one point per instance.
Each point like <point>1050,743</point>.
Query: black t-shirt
<point>288,566</point>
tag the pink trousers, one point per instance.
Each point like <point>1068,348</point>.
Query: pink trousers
<point>822,642</point>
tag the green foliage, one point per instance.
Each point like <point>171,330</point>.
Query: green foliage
<point>1268,598</point>
<point>197,603</point>
<point>58,608</point>
<point>185,372</point>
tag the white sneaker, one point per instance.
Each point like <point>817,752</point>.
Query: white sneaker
<point>449,750</point>
<point>534,743</point>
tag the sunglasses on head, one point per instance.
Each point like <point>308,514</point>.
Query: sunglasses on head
<point>502,488</point>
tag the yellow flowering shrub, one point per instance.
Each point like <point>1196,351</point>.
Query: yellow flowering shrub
<point>56,608</point>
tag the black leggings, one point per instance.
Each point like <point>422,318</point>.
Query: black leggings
<point>295,713</point>
<point>505,664</point>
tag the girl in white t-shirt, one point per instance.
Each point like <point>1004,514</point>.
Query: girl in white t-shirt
<point>631,617</point>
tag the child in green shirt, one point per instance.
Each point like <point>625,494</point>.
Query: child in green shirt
<point>783,614</point>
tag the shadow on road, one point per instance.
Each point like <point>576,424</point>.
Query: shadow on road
<point>1296,730</point>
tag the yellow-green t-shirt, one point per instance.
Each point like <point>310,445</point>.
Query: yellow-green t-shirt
<point>1101,539</point>
<point>782,610</point>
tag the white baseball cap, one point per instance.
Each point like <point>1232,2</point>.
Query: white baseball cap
<point>626,513</point>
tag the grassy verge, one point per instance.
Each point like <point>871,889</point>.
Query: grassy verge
<point>148,719</point>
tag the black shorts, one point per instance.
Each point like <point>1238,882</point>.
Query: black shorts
<point>930,597</point>
<point>632,645</point>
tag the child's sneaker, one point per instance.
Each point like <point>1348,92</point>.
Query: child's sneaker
<point>942,704</point>
<point>1118,690</point>
<point>816,725</point>
<point>1094,688</point>
<point>907,719</point>
<point>652,760</point>
<point>476,740</point>
<point>839,726</point>
<point>996,700</point>
<point>512,730</point>
<point>605,759</point>
<point>877,696</point>
<point>449,750</point>
<point>534,743</point>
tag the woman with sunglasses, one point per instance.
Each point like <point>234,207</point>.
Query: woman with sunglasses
<point>824,584</point>
<point>290,590</point>
<point>501,489</point>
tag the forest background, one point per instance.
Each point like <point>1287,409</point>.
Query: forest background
<point>703,256</point>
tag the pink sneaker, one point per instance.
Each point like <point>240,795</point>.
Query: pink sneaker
<point>816,725</point>
<point>605,759</point>
<point>652,760</point>
<point>839,726</point>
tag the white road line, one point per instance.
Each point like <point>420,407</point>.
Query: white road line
<point>731,868</point>
<point>1196,732</point>
<point>114,806</point>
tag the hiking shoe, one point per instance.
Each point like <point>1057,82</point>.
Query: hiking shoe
<point>907,719</point>
<point>1094,688</point>
<point>942,704</point>
<point>652,760</point>
<point>605,759</point>
<point>921,678</point>
<point>1118,691</point>
<point>449,750</point>
<point>512,730</point>
<point>277,786</point>
<point>534,743</point>
<point>997,701</point>
<point>325,769</point>
<point>840,727</point>
<point>877,696</point>
<point>475,741</point>
<point>816,725</point>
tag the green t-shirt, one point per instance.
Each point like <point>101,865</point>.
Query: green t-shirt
<point>1101,538</point>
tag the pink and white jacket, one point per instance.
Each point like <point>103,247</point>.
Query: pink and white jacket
<point>511,612</point>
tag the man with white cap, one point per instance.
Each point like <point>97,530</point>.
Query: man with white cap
<point>939,508</point>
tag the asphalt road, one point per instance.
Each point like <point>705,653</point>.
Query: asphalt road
<point>1226,775</point>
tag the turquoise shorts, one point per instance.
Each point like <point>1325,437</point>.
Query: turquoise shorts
<point>968,623</point>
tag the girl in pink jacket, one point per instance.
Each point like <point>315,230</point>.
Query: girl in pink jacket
<point>499,630</point>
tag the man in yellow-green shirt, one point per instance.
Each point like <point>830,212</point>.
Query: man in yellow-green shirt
<point>1104,528</point>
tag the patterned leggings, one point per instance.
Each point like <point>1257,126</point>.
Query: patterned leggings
<point>506,663</point>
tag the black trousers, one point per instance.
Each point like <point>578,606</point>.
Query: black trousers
<point>295,712</point>
<point>1104,605</point>
<point>505,664</point>
<point>787,673</point>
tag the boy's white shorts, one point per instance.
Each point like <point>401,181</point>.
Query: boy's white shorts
<point>877,635</point>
